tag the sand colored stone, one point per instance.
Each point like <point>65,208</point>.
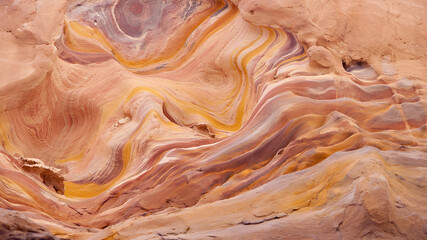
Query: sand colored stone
<point>241,119</point>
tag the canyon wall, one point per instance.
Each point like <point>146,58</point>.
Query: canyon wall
<point>208,119</point>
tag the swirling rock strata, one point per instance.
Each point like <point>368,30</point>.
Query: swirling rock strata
<point>233,119</point>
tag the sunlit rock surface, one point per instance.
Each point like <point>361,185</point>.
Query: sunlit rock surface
<point>242,119</point>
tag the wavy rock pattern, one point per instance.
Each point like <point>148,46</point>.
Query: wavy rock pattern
<point>243,119</point>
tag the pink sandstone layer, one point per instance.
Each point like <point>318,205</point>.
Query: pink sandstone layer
<point>209,119</point>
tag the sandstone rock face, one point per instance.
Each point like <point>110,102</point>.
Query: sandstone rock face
<point>240,119</point>
<point>14,225</point>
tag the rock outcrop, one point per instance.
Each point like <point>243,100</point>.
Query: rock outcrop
<point>235,119</point>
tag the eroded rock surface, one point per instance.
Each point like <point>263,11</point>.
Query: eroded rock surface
<point>15,225</point>
<point>240,119</point>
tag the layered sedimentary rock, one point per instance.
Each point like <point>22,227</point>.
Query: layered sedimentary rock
<point>247,119</point>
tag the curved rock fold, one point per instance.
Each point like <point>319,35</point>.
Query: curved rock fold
<point>194,119</point>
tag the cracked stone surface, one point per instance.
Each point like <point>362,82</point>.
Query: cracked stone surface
<point>212,119</point>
